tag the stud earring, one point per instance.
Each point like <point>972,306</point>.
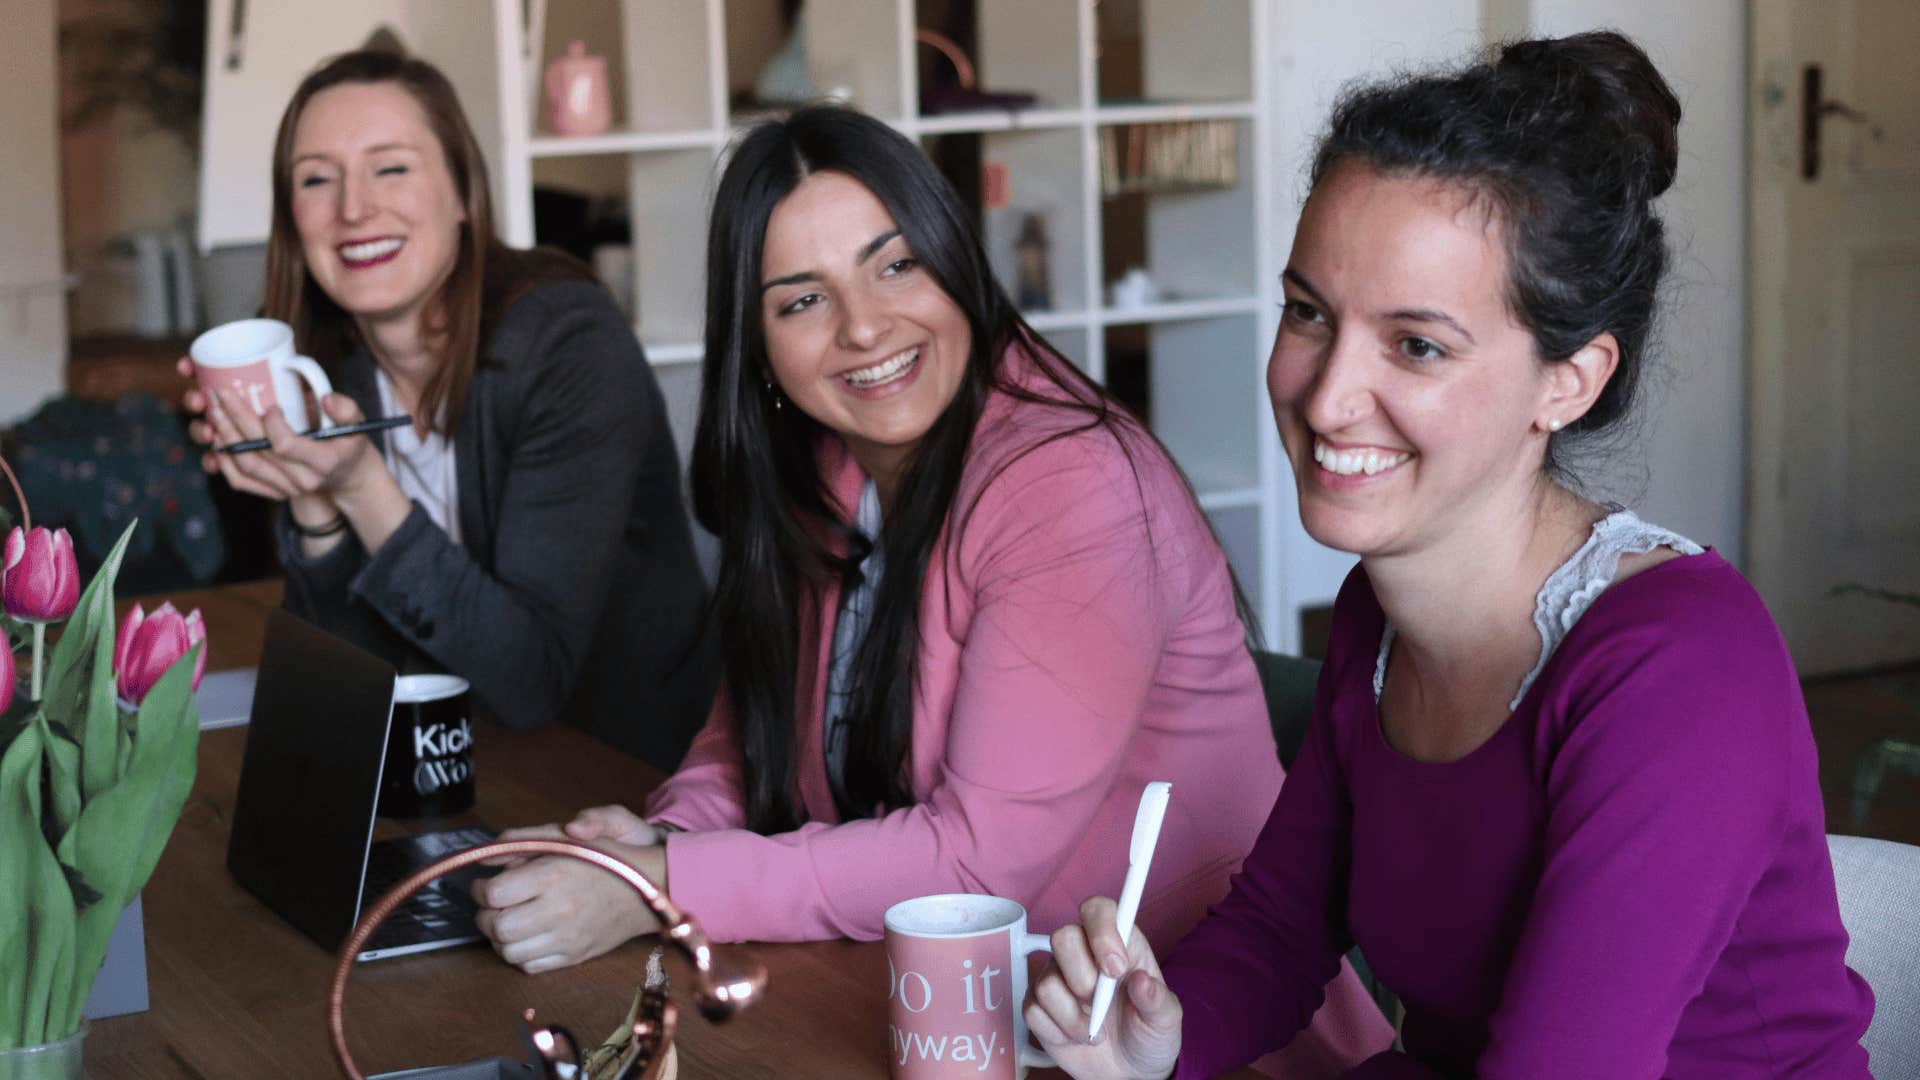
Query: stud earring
<point>1553,424</point>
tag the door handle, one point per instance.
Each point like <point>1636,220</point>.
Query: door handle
<point>1815,108</point>
<point>236,35</point>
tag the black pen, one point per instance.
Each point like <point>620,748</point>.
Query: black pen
<point>365,426</point>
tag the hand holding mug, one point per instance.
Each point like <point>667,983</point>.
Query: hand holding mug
<point>1141,1037</point>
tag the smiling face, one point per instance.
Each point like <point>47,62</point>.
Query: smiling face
<point>373,201</point>
<point>859,335</point>
<point>1408,397</point>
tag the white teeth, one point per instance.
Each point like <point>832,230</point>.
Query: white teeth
<point>372,249</point>
<point>1350,462</point>
<point>882,371</point>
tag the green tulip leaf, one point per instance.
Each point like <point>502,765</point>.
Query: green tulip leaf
<point>80,678</point>
<point>37,936</point>
<point>121,831</point>
<point>63,778</point>
<point>19,835</point>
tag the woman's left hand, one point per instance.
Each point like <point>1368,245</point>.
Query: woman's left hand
<point>553,912</point>
<point>294,466</point>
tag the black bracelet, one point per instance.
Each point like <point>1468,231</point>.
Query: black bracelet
<point>331,528</point>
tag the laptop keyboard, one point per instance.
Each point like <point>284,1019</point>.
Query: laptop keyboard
<point>442,910</point>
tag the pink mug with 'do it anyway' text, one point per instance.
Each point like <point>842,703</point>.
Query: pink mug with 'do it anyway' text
<point>257,357</point>
<point>957,977</point>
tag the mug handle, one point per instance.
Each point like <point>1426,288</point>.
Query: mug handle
<point>1032,1057</point>
<point>316,379</point>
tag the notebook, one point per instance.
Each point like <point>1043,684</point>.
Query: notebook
<point>309,792</point>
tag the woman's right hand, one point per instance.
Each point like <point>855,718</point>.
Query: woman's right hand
<point>1140,1039</point>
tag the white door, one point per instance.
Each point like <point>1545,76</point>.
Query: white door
<point>1834,466</point>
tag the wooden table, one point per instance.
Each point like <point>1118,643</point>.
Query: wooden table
<point>236,992</point>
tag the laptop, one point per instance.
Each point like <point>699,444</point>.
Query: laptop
<point>309,792</point>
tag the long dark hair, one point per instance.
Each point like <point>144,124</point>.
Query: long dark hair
<point>756,482</point>
<point>487,275</point>
<point>1570,140</point>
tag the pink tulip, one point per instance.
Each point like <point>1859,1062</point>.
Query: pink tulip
<point>149,644</point>
<point>41,578</point>
<point>6,673</point>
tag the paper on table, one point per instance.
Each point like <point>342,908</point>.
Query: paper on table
<point>225,698</point>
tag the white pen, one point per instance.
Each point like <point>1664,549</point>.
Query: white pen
<point>1146,834</point>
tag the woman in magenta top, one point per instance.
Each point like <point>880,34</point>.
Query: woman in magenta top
<point>968,607</point>
<point>1559,784</point>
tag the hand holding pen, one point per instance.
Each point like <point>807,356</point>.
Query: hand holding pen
<point>364,427</point>
<point>1136,1032</point>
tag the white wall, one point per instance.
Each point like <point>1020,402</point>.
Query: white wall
<point>1317,49</point>
<point>1689,471</point>
<point>33,311</point>
<point>1691,476</point>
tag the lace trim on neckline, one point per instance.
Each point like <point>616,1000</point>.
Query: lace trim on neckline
<point>1572,588</point>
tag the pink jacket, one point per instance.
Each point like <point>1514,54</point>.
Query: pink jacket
<point>1078,640</point>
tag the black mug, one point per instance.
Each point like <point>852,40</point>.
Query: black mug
<point>429,771</point>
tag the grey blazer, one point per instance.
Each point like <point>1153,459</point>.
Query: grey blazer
<point>576,594</point>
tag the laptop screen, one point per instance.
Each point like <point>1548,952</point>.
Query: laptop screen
<point>310,781</point>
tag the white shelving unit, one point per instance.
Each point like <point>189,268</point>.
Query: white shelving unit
<point>1199,353</point>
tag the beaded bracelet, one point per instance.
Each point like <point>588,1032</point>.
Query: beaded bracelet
<point>337,525</point>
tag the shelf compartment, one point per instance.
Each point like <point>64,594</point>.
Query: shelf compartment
<point>854,50</point>
<point>1044,183</point>
<point>1190,380</point>
<point>1070,342</point>
<point>1027,47</point>
<point>1238,528</point>
<point>680,388</point>
<point>1175,50</point>
<point>658,71</point>
<point>1192,243</point>
<point>671,55</point>
<point>667,195</point>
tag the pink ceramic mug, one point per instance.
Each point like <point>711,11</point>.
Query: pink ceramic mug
<point>578,101</point>
<point>257,357</point>
<point>956,980</point>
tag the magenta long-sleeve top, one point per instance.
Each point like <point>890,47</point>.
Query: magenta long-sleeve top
<point>1628,879</point>
<point>1078,639</point>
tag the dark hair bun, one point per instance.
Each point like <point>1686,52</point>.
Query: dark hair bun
<point>1600,90</point>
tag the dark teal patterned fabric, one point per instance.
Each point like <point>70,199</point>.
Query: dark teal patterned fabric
<point>91,467</point>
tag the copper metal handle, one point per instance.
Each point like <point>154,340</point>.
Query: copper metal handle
<point>725,986</point>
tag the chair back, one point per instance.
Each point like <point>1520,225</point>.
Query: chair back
<point>1879,884</point>
<point>1288,683</point>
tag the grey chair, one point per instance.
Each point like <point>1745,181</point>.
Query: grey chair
<point>1288,683</point>
<point>1879,884</point>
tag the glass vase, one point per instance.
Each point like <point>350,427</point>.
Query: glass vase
<point>48,1061</point>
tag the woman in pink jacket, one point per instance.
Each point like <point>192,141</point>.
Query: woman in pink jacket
<point>968,605</point>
